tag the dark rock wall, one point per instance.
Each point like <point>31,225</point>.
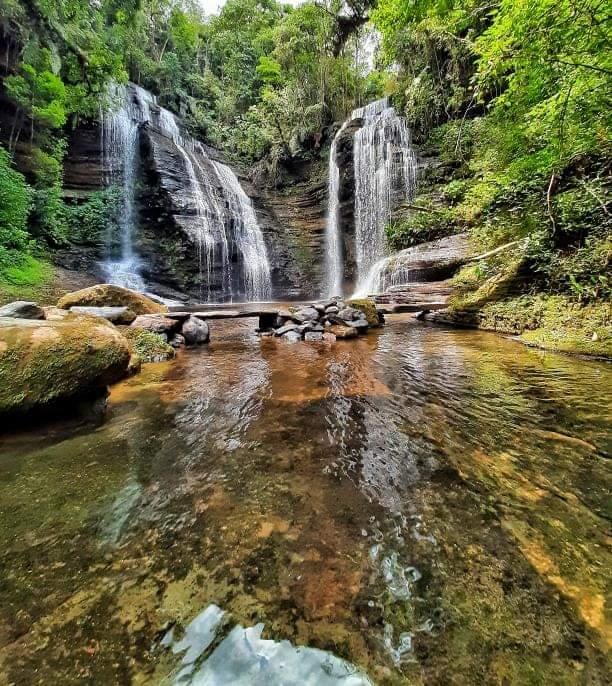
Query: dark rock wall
<point>292,217</point>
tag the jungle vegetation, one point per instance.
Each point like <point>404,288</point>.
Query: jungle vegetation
<point>512,97</point>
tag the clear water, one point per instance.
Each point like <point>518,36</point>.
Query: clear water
<point>419,506</point>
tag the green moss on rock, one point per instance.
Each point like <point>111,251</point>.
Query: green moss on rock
<point>43,363</point>
<point>368,307</point>
<point>148,345</point>
<point>106,295</point>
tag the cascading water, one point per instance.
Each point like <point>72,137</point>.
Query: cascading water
<point>385,171</point>
<point>224,216</point>
<point>333,241</point>
<point>119,129</point>
<point>246,234</point>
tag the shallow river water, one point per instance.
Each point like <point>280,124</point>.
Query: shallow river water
<point>421,506</point>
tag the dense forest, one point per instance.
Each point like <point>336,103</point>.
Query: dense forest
<point>513,99</point>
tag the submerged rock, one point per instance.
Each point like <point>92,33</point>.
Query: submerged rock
<point>343,331</point>
<point>313,336</point>
<point>46,363</point>
<point>22,309</point>
<point>292,336</point>
<point>195,331</point>
<point>107,295</point>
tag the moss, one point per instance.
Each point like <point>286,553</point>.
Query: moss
<point>105,295</point>
<point>26,280</point>
<point>43,362</point>
<point>548,322</point>
<point>149,346</point>
<point>368,307</point>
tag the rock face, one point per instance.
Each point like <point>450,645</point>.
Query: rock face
<point>346,197</point>
<point>115,315</point>
<point>106,295</point>
<point>46,363</point>
<point>21,309</point>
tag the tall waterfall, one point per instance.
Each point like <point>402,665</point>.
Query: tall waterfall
<point>119,127</point>
<point>385,173</point>
<point>225,231</point>
<point>385,170</point>
<point>333,241</point>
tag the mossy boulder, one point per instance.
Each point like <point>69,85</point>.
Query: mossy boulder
<point>368,307</point>
<point>148,345</point>
<point>107,295</point>
<point>44,364</point>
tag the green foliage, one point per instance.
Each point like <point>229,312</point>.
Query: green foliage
<point>426,224</point>
<point>89,221</point>
<point>15,203</point>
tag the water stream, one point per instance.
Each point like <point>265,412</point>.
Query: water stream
<point>419,506</point>
<point>385,175</point>
<point>225,232</point>
<point>385,172</point>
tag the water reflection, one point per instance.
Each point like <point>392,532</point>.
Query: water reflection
<point>430,506</point>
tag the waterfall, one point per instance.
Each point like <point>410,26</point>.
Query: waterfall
<point>333,239</point>
<point>119,130</point>
<point>385,171</point>
<point>225,225</point>
<point>246,234</point>
<point>385,174</point>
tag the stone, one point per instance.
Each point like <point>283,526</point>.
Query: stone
<point>177,341</point>
<point>22,309</point>
<point>343,331</point>
<point>421,315</point>
<point>157,323</point>
<point>285,329</point>
<point>367,307</point>
<point>292,336</point>
<point>107,295</point>
<point>181,316</point>
<point>329,337</point>
<point>115,315</point>
<point>313,336</point>
<point>320,308</point>
<point>134,365</point>
<point>332,309</point>
<point>306,314</point>
<point>47,364</point>
<point>349,314</point>
<point>148,345</point>
<point>360,324</point>
<point>195,331</point>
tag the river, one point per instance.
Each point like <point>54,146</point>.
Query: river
<point>426,506</point>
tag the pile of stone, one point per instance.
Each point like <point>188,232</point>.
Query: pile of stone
<point>324,321</point>
<point>176,328</point>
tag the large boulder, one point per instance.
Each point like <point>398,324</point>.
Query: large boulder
<point>157,323</point>
<point>22,309</point>
<point>195,331</point>
<point>46,363</point>
<point>107,295</point>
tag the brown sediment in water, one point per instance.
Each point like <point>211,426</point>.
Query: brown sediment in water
<point>410,482</point>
